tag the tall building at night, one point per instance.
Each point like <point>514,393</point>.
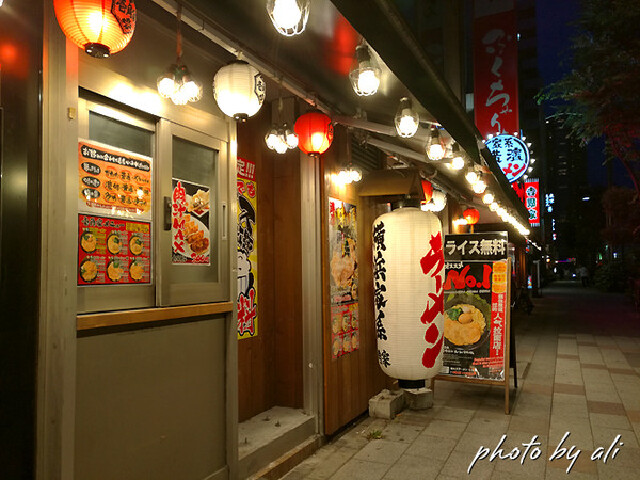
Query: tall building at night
<point>567,189</point>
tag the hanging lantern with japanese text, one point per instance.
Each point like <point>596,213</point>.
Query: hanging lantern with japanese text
<point>99,27</point>
<point>408,274</point>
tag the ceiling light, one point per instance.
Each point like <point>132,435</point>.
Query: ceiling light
<point>176,82</point>
<point>406,119</point>
<point>365,77</point>
<point>471,176</point>
<point>487,198</point>
<point>479,187</point>
<point>435,148</point>
<point>289,17</point>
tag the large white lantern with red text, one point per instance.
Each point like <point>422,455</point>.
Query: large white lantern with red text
<point>408,276</point>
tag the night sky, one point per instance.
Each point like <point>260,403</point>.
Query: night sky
<point>554,34</point>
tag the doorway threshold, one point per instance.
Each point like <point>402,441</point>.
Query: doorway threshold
<point>269,435</point>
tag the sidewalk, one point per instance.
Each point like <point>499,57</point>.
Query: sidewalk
<point>579,372</point>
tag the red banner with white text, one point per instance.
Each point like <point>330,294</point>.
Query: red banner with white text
<point>496,74</point>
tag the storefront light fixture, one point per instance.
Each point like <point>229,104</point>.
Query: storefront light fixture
<point>289,17</point>
<point>494,206</point>
<point>349,175</point>
<point>457,161</point>
<point>406,119</point>
<point>435,148</point>
<point>239,90</point>
<point>365,76</point>
<point>471,176</point>
<point>479,187</point>
<point>438,201</point>
<point>99,27</point>
<point>487,198</point>
<point>280,137</point>
<point>176,82</point>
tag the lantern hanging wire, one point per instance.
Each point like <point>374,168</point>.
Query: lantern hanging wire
<point>176,82</point>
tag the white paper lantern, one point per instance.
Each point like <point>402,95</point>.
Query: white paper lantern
<point>408,274</point>
<point>239,90</point>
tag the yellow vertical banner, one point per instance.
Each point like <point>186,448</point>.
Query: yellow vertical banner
<point>247,250</point>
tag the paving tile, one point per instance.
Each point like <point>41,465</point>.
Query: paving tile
<point>320,466</point>
<point>397,432</point>
<point>445,428</point>
<point>568,356</point>
<point>606,407</point>
<point>611,471</point>
<point>633,415</point>
<point>604,437</point>
<point>582,464</point>
<point>455,414</point>
<point>612,421</point>
<point>529,387</point>
<point>428,446</point>
<point>360,470</point>
<point>568,389</point>
<point>381,451</point>
<point>458,463</point>
<point>411,466</point>
<point>624,371</point>
<point>472,442</point>
<point>594,366</point>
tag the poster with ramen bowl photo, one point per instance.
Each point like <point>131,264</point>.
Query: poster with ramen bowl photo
<point>476,305</point>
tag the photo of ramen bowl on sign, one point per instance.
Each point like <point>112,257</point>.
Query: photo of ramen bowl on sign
<point>467,320</point>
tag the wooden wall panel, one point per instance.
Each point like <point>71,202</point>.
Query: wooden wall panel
<point>255,377</point>
<point>287,254</point>
<point>349,380</point>
<point>270,364</point>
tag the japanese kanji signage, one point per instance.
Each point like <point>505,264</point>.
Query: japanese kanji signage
<point>512,155</point>
<point>113,182</point>
<point>190,237</point>
<point>496,73</point>
<point>343,278</point>
<point>113,251</point>
<point>476,305</point>
<point>247,250</point>
<point>532,200</point>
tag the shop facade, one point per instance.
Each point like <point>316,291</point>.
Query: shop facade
<point>144,361</point>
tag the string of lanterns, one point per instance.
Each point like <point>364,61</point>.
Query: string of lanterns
<point>104,27</point>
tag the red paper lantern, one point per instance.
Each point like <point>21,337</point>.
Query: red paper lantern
<point>315,133</point>
<point>471,215</point>
<point>99,27</point>
<point>427,189</point>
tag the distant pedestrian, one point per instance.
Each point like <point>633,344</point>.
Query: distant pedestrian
<point>584,275</point>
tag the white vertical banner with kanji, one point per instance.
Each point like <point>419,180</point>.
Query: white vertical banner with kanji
<point>247,250</point>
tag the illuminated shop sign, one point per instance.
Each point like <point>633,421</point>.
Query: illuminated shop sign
<point>532,200</point>
<point>512,155</point>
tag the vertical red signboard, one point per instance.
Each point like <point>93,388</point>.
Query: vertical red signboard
<point>532,200</point>
<point>496,73</point>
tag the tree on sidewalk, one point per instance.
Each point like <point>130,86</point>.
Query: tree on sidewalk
<point>600,97</point>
